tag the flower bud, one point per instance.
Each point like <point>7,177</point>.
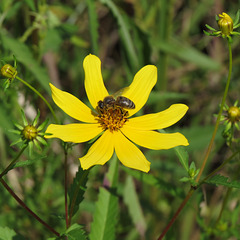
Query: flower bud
<point>9,71</point>
<point>234,114</point>
<point>225,24</point>
<point>29,132</point>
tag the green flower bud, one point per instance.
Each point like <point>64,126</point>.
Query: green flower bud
<point>225,24</point>
<point>9,71</point>
<point>29,132</point>
<point>234,114</point>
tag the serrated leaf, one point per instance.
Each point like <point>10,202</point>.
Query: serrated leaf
<point>105,216</point>
<point>76,232</point>
<point>157,182</point>
<point>224,181</point>
<point>24,55</point>
<point>28,162</point>
<point>182,156</point>
<point>77,190</point>
<point>131,200</point>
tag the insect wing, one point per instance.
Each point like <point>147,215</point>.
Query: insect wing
<point>120,92</point>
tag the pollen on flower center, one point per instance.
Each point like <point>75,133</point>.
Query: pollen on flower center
<point>112,118</point>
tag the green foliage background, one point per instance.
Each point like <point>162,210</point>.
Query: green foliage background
<point>50,40</point>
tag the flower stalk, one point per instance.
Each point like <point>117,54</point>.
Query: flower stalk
<point>219,114</point>
<point>40,95</point>
<point>9,167</point>
<point>21,203</point>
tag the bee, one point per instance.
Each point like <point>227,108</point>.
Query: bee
<point>125,102</point>
<point>111,102</point>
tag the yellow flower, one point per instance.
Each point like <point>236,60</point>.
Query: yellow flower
<point>225,24</point>
<point>117,131</point>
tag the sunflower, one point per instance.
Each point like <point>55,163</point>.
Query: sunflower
<point>112,123</point>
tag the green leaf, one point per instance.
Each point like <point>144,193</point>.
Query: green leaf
<point>224,181</point>
<point>31,4</point>
<point>77,190</point>
<point>124,32</point>
<point>105,216</point>
<point>24,55</point>
<point>236,20</point>
<point>131,200</point>
<point>51,42</point>
<point>210,28</point>
<point>93,22</point>
<point>154,181</point>
<point>182,156</point>
<point>75,232</point>
<point>28,162</point>
<point>188,54</point>
<point>9,234</point>
<point>6,233</point>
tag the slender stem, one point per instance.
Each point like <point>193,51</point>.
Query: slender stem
<point>191,191</point>
<point>9,167</point>
<point>40,95</point>
<point>218,168</point>
<point>28,209</point>
<point>219,114</point>
<point>229,190</point>
<point>66,187</point>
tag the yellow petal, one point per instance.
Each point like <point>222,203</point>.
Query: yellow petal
<point>140,88</point>
<point>129,154</point>
<point>76,132</point>
<point>159,120</point>
<point>94,85</point>
<point>72,105</point>
<point>154,140</point>
<point>100,152</point>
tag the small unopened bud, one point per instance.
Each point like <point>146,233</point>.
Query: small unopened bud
<point>234,114</point>
<point>225,24</point>
<point>9,71</point>
<point>29,132</point>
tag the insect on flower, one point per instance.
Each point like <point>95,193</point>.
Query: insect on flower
<point>120,101</point>
<point>110,119</point>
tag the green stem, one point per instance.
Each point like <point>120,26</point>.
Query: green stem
<point>184,202</point>
<point>191,191</point>
<point>66,186</point>
<point>219,114</point>
<point>218,168</point>
<point>26,208</point>
<point>9,167</point>
<point>40,95</point>
<point>229,190</point>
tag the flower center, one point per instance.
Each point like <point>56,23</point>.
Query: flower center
<point>29,132</point>
<point>112,118</point>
